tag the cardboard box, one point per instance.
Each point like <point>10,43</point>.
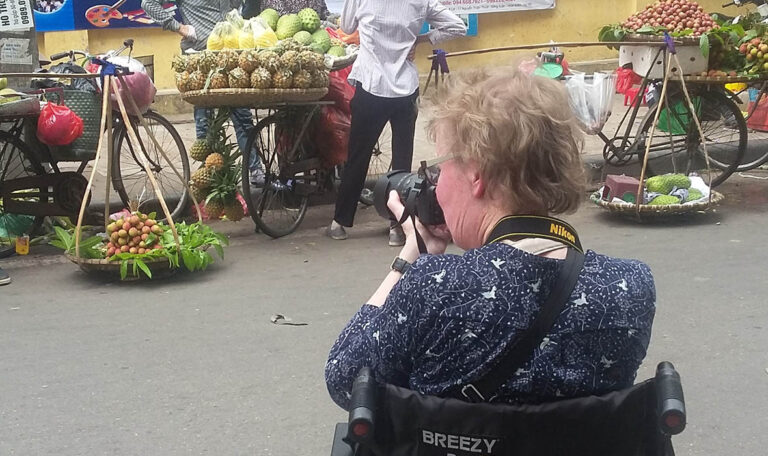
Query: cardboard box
<point>641,58</point>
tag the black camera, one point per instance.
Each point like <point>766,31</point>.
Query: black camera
<point>416,193</point>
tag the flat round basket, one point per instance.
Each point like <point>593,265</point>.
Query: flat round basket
<point>248,98</point>
<point>685,40</point>
<point>648,210</point>
<point>160,268</point>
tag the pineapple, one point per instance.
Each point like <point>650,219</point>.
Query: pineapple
<point>302,79</point>
<point>182,81</point>
<point>234,211</point>
<point>239,79</point>
<point>199,194</point>
<point>336,42</point>
<point>270,60</point>
<point>319,79</point>
<point>179,64</point>
<point>307,60</point>
<point>228,59</point>
<point>196,81</point>
<point>206,62</point>
<point>261,79</point>
<point>215,161</point>
<point>290,61</point>
<point>319,61</point>
<point>282,79</point>
<point>219,80</point>
<point>200,150</point>
<point>248,61</point>
<point>201,178</point>
<point>214,208</point>
<point>192,61</point>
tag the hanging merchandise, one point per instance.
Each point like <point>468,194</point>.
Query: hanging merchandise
<point>58,125</point>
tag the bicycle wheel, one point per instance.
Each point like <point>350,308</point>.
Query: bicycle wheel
<point>276,207</point>
<point>677,144</point>
<point>380,164</point>
<point>129,178</point>
<point>18,161</point>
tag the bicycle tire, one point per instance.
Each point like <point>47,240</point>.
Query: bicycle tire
<point>275,207</point>
<point>380,164</point>
<point>125,160</point>
<point>718,114</point>
<point>9,169</point>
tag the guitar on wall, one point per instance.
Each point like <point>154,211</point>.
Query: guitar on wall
<point>100,15</point>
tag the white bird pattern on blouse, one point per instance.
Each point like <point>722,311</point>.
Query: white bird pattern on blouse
<point>439,277</point>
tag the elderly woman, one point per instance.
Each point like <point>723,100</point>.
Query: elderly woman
<point>507,145</point>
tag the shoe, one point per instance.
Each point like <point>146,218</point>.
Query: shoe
<point>257,177</point>
<point>338,233</point>
<point>396,236</point>
<point>5,279</point>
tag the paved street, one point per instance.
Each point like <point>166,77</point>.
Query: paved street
<point>193,365</point>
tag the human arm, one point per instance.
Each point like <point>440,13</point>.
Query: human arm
<point>155,10</point>
<point>444,24</point>
<point>435,238</point>
<point>349,21</point>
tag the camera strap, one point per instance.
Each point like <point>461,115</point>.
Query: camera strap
<point>522,348</point>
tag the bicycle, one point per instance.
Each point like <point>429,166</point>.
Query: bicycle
<point>32,182</point>
<point>677,144</point>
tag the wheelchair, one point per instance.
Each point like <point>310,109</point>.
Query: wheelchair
<point>386,420</point>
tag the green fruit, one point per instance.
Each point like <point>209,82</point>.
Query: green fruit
<point>310,21</point>
<point>693,195</point>
<point>314,47</point>
<point>665,183</point>
<point>336,51</point>
<point>303,37</point>
<point>3,83</point>
<point>287,26</point>
<point>663,200</point>
<point>322,38</point>
<point>270,16</point>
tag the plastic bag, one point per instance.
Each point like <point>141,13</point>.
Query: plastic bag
<point>590,98</point>
<point>58,125</point>
<point>246,39</point>
<point>331,135</point>
<point>215,40</point>
<point>234,18</point>
<point>263,35</point>
<point>138,85</point>
<point>340,91</point>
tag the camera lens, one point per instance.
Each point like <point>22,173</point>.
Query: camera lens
<point>417,195</point>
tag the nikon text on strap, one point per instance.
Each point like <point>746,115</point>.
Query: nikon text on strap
<point>521,226</point>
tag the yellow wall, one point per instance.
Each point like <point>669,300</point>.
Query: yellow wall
<point>571,20</point>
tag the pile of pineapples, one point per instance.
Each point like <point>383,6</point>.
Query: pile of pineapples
<point>289,65</point>
<point>216,182</point>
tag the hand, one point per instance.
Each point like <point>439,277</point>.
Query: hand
<point>412,52</point>
<point>187,31</point>
<point>436,238</point>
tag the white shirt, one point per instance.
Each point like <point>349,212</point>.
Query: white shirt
<point>388,30</point>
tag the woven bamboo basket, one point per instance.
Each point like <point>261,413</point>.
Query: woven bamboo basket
<point>648,210</point>
<point>160,268</point>
<point>249,98</point>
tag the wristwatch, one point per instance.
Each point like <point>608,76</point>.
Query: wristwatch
<point>400,265</point>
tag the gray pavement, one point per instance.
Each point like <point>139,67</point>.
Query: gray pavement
<point>193,365</point>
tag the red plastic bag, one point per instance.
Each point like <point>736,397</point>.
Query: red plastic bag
<point>58,125</point>
<point>339,90</point>
<point>332,135</point>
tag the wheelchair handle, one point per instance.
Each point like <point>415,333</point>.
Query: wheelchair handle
<point>669,399</point>
<point>362,406</point>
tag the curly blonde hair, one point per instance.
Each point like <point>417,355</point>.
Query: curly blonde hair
<point>520,131</point>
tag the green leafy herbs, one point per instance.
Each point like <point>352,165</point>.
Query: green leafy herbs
<point>195,239</point>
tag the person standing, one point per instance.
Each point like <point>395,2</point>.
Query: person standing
<point>199,17</point>
<point>294,6</point>
<point>387,89</point>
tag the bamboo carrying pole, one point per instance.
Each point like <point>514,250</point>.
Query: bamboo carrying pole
<point>569,44</point>
<point>143,121</point>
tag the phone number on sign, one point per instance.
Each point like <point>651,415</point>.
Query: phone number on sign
<point>15,14</point>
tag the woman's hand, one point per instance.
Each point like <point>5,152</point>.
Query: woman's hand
<point>436,237</point>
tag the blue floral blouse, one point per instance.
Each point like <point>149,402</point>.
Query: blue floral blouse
<point>449,316</point>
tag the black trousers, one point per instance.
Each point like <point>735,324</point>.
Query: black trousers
<point>370,114</point>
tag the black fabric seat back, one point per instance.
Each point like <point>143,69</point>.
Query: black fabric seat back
<point>621,423</point>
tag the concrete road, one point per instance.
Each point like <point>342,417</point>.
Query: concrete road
<point>193,365</point>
